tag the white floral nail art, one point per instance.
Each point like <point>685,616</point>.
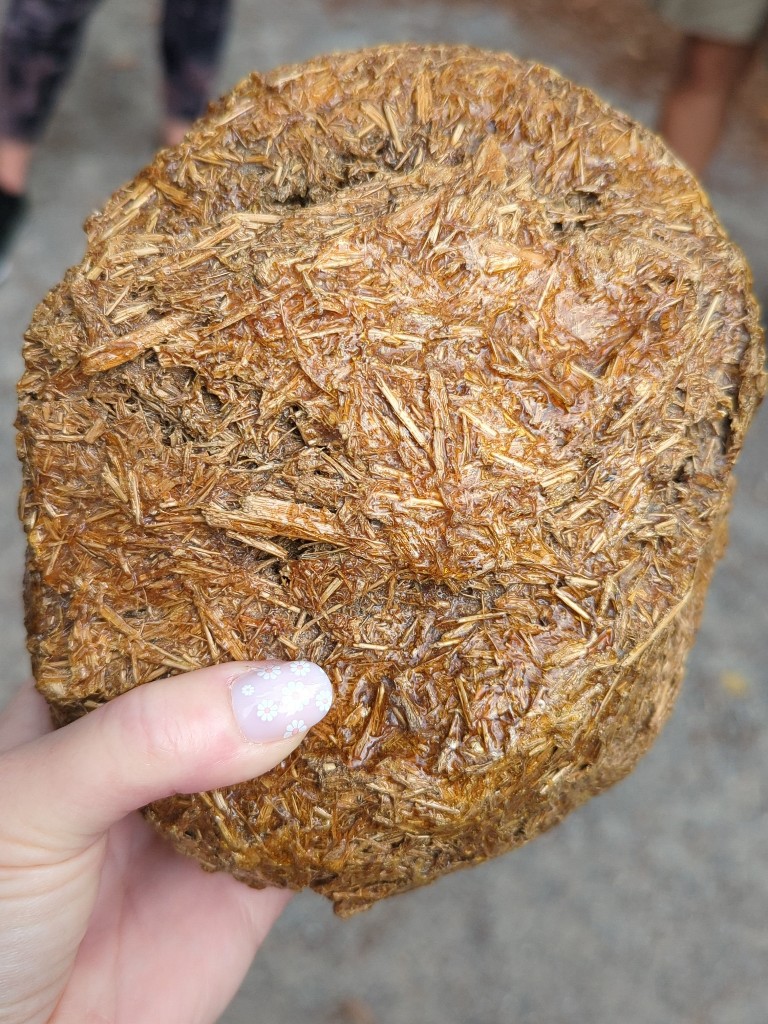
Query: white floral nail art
<point>283,700</point>
<point>323,701</point>
<point>295,697</point>
<point>297,725</point>
<point>270,672</point>
<point>266,710</point>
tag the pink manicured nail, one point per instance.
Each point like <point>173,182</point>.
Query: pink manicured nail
<point>277,700</point>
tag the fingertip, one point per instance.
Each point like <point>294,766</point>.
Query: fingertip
<point>184,734</point>
<point>275,701</point>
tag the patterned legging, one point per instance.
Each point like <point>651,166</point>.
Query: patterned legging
<point>40,39</point>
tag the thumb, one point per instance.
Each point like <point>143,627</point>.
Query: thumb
<point>190,733</point>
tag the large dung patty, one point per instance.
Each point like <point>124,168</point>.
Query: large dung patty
<point>423,364</point>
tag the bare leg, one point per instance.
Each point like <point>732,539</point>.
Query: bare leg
<point>694,110</point>
<point>14,165</point>
<point>193,33</point>
<point>38,45</point>
<point>174,130</point>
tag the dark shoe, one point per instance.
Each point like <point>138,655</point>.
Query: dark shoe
<point>12,210</point>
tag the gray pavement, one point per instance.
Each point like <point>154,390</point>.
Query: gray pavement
<point>647,906</point>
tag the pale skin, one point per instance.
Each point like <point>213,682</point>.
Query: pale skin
<point>695,108</point>
<point>101,922</point>
<point>15,158</point>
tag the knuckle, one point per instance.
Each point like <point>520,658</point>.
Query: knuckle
<point>168,735</point>
<point>147,728</point>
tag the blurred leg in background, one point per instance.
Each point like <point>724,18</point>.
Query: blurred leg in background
<point>193,33</point>
<point>38,46</point>
<point>695,108</point>
<point>720,42</point>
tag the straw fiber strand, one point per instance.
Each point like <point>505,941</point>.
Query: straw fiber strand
<point>422,364</point>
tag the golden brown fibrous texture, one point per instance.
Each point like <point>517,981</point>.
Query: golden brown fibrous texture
<point>422,364</point>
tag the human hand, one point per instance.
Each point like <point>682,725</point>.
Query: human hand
<point>100,919</point>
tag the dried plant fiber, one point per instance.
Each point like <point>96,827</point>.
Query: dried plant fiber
<point>426,365</point>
